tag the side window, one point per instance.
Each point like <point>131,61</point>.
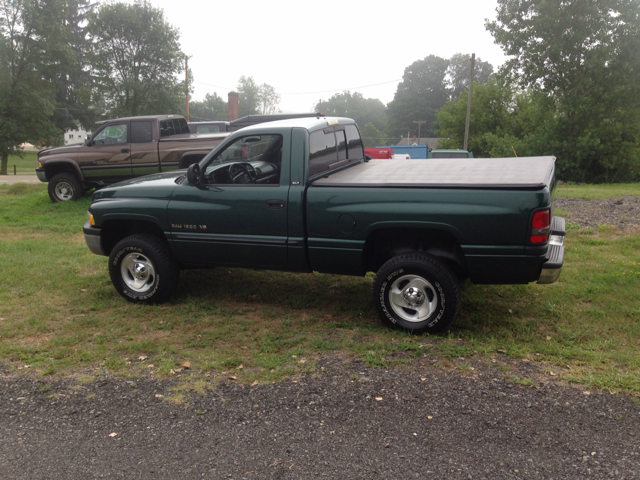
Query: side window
<point>254,159</point>
<point>112,135</point>
<point>322,152</point>
<point>355,148</point>
<point>141,132</point>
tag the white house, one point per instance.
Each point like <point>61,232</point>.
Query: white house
<point>75,136</point>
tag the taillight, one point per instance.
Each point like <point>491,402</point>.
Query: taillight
<point>245,151</point>
<point>540,226</point>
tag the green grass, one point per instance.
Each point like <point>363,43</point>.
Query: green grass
<point>603,190</point>
<point>25,164</point>
<point>59,312</point>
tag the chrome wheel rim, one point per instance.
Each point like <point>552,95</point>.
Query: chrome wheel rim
<point>413,298</point>
<point>64,191</point>
<point>137,272</point>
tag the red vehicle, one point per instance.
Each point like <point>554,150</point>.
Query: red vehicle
<point>385,152</point>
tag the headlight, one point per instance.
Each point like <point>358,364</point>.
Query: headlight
<point>92,222</point>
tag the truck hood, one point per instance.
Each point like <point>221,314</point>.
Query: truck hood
<point>69,149</point>
<point>157,185</point>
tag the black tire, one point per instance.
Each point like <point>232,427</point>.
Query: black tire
<point>142,269</point>
<point>417,293</point>
<point>64,187</point>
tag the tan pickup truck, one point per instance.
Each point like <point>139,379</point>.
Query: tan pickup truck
<point>121,149</point>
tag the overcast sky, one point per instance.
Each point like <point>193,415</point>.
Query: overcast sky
<point>310,50</point>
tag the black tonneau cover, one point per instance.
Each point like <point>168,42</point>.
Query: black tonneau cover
<point>522,172</point>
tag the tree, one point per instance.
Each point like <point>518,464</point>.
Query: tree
<point>504,121</point>
<point>70,71</point>
<point>419,95</point>
<point>268,99</point>
<point>254,98</point>
<point>362,110</point>
<point>459,71</point>
<point>491,112</point>
<point>136,58</point>
<point>29,29</point>
<point>371,136</point>
<point>248,96</point>
<point>586,55</point>
<point>213,107</point>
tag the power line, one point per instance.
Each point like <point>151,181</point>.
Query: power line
<point>309,93</point>
<point>215,86</point>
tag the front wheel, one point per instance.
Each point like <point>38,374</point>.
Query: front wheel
<point>63,187</point>
<point>417,293</point>
<point>142,269</point>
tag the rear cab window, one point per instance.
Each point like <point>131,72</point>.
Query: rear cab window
<point>334,147</point>
<point>173,126</point>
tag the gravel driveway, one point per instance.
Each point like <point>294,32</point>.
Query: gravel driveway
<point>344,421</point>
<point>20,178</point>
<point>622,212</point>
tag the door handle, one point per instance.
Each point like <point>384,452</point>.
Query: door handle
<point>275,204</point>
<point>124,150</point>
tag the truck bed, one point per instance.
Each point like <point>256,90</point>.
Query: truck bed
<point>496,173</point>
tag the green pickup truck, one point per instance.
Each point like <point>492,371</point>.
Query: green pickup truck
<point>297,195</point>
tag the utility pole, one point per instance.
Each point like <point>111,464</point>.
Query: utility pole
<point>419,122</point>
<point>466,125</point>
<point>186,82</point>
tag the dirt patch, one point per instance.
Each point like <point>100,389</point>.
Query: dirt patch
<point>18,235</point>
<point>623,213</point>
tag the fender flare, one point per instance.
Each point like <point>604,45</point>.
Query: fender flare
<point>52,164</point>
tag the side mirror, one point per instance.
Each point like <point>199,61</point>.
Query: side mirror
<point>194,175</point>
<point>87,141</point>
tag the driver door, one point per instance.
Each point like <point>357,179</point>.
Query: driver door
<point>108,158</point>
<point>232,218</point>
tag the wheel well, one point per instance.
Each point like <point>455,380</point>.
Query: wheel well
<point>61,167</point>
<point>111,232</point>
<point>387,243</point>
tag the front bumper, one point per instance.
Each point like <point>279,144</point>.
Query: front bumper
<point>92,237</point>
<point>42,176</point>
<point>555,254</point>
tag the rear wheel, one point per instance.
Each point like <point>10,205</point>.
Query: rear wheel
<point>63,187</point>
<point>142,269</point>
<point>416,293</point>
